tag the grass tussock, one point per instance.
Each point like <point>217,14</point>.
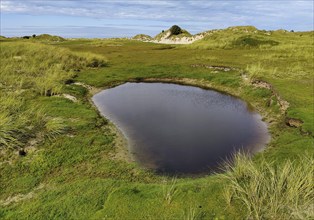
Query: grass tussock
<point>191,213</point>
<point>8,129</point>
<point>29,70</point>
<point>254,70</point>
<point>170,190</point>
<point>269,190</point>
<point>55,127</point>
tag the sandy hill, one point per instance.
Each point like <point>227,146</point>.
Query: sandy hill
<point>231,37</point>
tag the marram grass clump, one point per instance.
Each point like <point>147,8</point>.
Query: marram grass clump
<point>29,70</point>
<point>41,67</point>
<point>270,190</point>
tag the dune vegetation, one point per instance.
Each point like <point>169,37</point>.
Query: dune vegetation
<point>60,159</point>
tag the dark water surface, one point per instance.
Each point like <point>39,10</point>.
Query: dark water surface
<point>177,129</point>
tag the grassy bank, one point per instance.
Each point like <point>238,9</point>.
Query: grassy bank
<point>72,168</point>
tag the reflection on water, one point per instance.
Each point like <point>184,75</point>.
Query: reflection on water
<point>177,129</point>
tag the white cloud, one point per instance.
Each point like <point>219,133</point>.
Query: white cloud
<point>145,9</point>
<point>197,15</point>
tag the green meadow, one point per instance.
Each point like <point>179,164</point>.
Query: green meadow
<point>60,159</point>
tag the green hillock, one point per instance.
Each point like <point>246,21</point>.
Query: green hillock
<point>249,41</point>
<point>281,31</point>
<point>48,37</point>
<point>243,29</point>
<point>143,37</point>
<point>173,32</point>
<point>239,37</point>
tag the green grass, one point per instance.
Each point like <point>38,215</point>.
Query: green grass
<point>73,170</point>
<point>272,191</point>
<point>249,41</point>
<point>27,70</point>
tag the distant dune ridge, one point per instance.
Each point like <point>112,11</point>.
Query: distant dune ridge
<point>41,37</point>
<point>231,37</point>
<point>248,36</point>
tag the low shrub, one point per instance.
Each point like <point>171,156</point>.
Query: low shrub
<point>175,30</point>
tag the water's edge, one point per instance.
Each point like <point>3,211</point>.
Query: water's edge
<point>128,145</point>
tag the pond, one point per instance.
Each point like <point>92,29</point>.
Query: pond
<point>175,129</point>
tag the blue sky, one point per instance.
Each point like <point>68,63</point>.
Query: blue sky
<point>103,18</point>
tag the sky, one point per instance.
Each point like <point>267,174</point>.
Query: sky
<point>126,18</point>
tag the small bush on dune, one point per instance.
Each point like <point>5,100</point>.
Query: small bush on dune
<point>175,30</point>
<point>272,192</point>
